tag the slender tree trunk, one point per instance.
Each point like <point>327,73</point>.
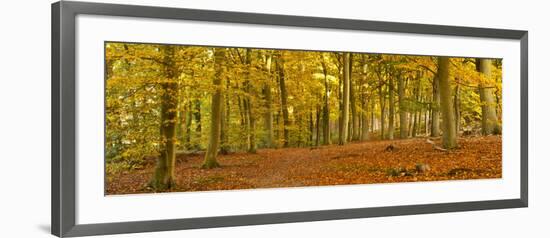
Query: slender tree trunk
<point>415,123</point>
<point>435,108</point>
<point>382,111</point>
<point>345,100</point>
<point>392,108</point>
<point>246,115</point>
<point>317,127</point>
<point>403,131</point>
<point>249,105</point>
<point>411,122</point>
<point>416,115</point>
<point>326,107</point>
<point>215,122</point>
<point>311,128</point>
<point>447,112</point>
<point>382,96</point>
<point>198,127</point>
<point>372,118</point>
<point>163,177</point>
<point>226,111</point>
<point>353,102</point>
<point>268,117</point>
<point>180,130</point>
<point>241,111</point>
<point>489,120</point>
<point>188,121</point>
<point>426,120</point>
<point>365,124</point>
<point>428,126</point>
<point>457,108</point>
<point>284,97</point>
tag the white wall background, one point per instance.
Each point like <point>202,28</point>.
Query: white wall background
<point>25,118</point>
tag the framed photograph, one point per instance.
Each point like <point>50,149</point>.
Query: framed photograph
<point>168,118</point>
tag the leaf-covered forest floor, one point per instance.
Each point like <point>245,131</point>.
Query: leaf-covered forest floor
<point>478,157</point>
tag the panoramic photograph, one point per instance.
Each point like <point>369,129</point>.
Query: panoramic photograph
<point>182,118</point>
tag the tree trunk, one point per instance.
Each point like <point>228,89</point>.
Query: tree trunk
<point>216,118</point>
<point>311,128</point>
<point>164,171</point>
<point>414,123</point>
<point>426,120</point>
<point>268,117</point>
<point>180,130</point>
<point>317,127</point>
<point>326,108</point>
<point>447,112</point>
<point>435,108</point>
<point>392,109</point>
<point>416,115</point>
<point>403,131</point>
<point>226,112</point>
<point>489,120</point>
<point>345,101</point>
<point>198,128</point>
<point>188,122</point>
<point>353,103</point>
<point>249,105</point>
<point>457,109</point>
<point>372,119</point>
<point>284,97</point>
<point>382,108</point>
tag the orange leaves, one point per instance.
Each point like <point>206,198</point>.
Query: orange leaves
<point>356,163</point>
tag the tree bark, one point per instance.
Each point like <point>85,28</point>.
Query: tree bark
<point>392,109</point>
<point>249,105</point>
<point>317,127</point>
<point>345,101</point>
<point>284,98</point>
<point>198,128</point>
<point>457,109</point>
<point>416,113</point>
<point>353,103</point>
<point>215,122</point>
<point>403,131</point>
<point>188,123</point>
<point>326,107</point>
<point>226,112</point>
<point>364,104</point>
<point>489,119</point>
<point>268,117</point>
<point>163,177</point>
<point>435,107</point>
<point>382,107</point>
<point>447,112</point>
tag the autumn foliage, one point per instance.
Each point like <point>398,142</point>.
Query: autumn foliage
<point>193,118</point>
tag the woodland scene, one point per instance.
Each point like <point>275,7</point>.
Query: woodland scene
<point>197,118</point>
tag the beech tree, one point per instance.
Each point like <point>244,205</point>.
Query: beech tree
<point>164,172</point>
<point>489,120</point>
<point>345,101</point>
<point>403,131</point>
<point>392,108</point>
<point>447,112</point>
<point>215,122</point>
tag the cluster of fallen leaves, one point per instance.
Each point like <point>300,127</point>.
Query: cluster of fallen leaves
<point>355,163</point>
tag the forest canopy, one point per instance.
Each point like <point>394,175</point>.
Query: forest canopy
<point>163,101</point>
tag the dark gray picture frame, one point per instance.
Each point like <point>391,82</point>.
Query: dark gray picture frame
<point>64,133</point>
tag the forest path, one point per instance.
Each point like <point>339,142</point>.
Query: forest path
<point>354,163</point>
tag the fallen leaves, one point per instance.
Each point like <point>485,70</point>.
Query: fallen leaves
<point>355,163</point>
